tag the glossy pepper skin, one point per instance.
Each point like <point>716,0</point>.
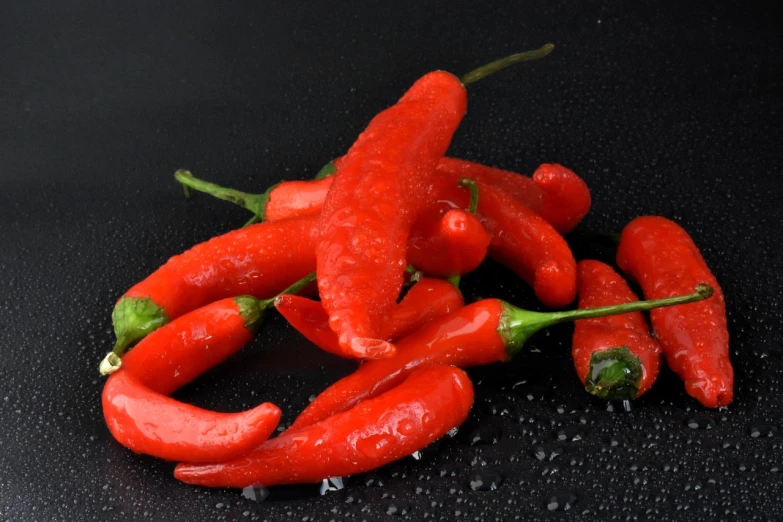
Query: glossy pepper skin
<point>142,418</point>
<point>260,260</point>
<point>147,422</point>
<point>615,357</point>
<point>370,207</point>
<point>481,333</point>
<point>427,300</point>
<point>448,242</point>
<point>520,239</point>
<point>378,431</point>
<point>661,256</point>
<point>565,197</point>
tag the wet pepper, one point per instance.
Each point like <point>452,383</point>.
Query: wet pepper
<point>377,191</point>
<point>391,426</point>
<point>615,357</point>
<point>260,260</point>
<point>663,259</point>
<point>449,242</point>
<point>135,404</point>
<point>484,332</point>
<point>428,300</point>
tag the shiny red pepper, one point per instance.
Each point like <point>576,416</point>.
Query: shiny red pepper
<point>423,408</point>
<point>142,418</point>
<point>369,209</point>
<point>427,300</point>
<point>484,332</point>
<point>520,239</point>
<point>446,241</point>
<point>260,260</point>
<point>615,357</point>
<point>661,256</point>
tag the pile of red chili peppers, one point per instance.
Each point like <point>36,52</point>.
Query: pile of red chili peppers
<point>394,213</point>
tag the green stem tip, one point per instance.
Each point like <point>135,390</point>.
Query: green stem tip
<point>255,203</point>
<point>474,193</point>
<point>326,171</point>
<point>517,325</point>
<point>493,67</point>
<point>614,375</point>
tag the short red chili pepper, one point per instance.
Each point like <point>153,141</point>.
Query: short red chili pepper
<point>449,242</point>
<point>260,260</point>
<point>284,200</point>
<point>521,239</point>
<point>566,198</point>
<point>378,189</point>
<point>661,256</point>
<point>150,423</point>
<point>484,332</point>
<point>427,300</point>
<point>615,357</point>
<point>423,408</point>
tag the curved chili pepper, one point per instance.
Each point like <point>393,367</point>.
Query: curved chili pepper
<point>378,189</point>
<point>565,196</point>
<point>484,332</point>
<point>521,239</point>
<point>142,418</point>
<point>259,260</point>
<point>446,241</point>
<point>427,300</point>
<point>283,200</point>
<point>615,357</point>
<point>663,259</point>
<point>150,423</point>
<point>389,427</point>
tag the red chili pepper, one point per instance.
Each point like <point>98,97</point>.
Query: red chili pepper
<point>566,198</point>
<point>521,239</point>
<point>389,427</point>
<point>284,200</point>
<point>615,357</point>
<point>427,300</point>
<point>142,418</point>
<point>481,333</point>
<point>370,207</point>
<point>663,259</point>
<point>260,260</point>
<point>446,241</point>
<point>153,424</point>
<point>378,189</point>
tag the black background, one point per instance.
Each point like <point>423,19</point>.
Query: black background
<point>670,108</point>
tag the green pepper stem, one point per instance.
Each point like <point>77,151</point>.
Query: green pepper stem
<point>493,67</point>
<point>614,374</point>
<point>517,325</point>
<point>293,289</point>
<point>326,171</point>
<point>255,203</point>
<point>474,193</point>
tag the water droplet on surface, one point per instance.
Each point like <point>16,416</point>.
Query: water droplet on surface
<point>562,501</point>
<point>700,422</point>
<point>759,431</point>
<point>484,435</point>
<point>331,484</point>
<point>485,480</point>
<point>258,494</point>
<point>398,508</point>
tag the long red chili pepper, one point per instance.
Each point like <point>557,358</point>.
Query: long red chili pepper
<point>259,260</point>
<point>481,333</point>
<point>142,418</point>
<point>663,259</point>
<point>446,241</point>
<point>420,410</point>
<point>152,424</point>
<point>428,300</point>
<point>615,357</point>
<point>521,239</point>
<point>378,189</point>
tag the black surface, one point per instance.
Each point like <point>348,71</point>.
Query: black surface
<point>668,108</point>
